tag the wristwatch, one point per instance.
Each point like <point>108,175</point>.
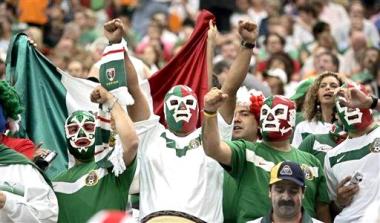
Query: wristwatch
<point>374,102</point>
<point>247,45</point>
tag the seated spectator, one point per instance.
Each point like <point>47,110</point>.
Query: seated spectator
<point>287,190</point>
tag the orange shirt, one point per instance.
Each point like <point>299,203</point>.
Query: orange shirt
<point>33,11</point>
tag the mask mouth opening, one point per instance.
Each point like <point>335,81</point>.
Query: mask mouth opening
<point>352,117</point>
<point>182,115</point>
<point>270,126</point>
<point>82,142</point>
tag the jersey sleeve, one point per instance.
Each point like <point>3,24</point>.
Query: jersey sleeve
<point>307,144</point>
<point>238,159</point>
<point>35,200</point>
<point>146,130</point>
<point>323,195</point>
<point>331,181</point>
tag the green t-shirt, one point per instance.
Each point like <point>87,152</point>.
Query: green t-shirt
<point>229,198</point>
<point>251,165</point>
<point>318,145</point>
<point>85,189</point>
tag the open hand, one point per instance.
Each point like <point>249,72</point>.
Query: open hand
<point>214,99</point>
<point>353,97</point>
<point>114,30</point>
<point>248,31</point>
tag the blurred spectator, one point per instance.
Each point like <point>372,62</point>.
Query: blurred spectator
<point>276,79</point>
<point>333,14</point>
<point>368,66</point>
<point>357,22</point>
<point>352,57</point>
<point>53,29</point>
<point>5,33</point>
<point>303,26</point>
<point>318,107</point>
<point>75,69</point>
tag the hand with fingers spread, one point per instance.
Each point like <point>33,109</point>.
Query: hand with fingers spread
<point>353,97</point>
<point>345,193</point>
<point>214,99</point>
<point>248,31</point>
<point>114,30</point>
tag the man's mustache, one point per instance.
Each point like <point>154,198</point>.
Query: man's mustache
<point>286,203</point>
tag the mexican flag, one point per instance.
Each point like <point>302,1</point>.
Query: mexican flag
<point>48,95</point>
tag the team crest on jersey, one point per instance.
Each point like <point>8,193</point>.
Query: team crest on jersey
<point>111,73</point>
<point>307,171</point>
<point>92,179</point>
<point>375,146</point>
<point>194,143</point>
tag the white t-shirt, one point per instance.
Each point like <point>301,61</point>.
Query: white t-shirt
<point>305,128</point>
<point>171,179</point>
<point>38,202</point>
<point>355,155</point>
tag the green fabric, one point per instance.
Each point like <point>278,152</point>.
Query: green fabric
<point>229,198</point>
<point>10,157</point>
<point>35,78</point>
<point>362,77</point>
<point>311,142</point>
<point>302,89</point>
<point>350,155</point>
<point>109,193</point>
<point>299,118</point>
<point>115,67</point>
<point>193,144</point>
<point>253,179</point>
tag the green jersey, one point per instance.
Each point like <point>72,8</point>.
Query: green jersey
<point>229,198</point>
<point>251,165</point>
<point>318,145</point>
<point>85,189</point>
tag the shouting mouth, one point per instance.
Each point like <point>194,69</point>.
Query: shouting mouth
<point>83,142</point>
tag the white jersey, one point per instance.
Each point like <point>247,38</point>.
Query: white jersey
<point>32,199</point>
<point>304,128</point>
<point>360,154</point>
<point>176,174</point>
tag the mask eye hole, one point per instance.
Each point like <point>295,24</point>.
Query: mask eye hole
<point>189,102</point>
<point>265,112</point>
<point>73,129</point>
<point>279,111</point>
<point>90,127</point>
<point>173,102</point>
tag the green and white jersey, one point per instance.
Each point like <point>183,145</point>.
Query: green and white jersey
<point>318,145</point>
<point>229,198</point>
<point>251,165</point>
<point>268,219</point>
<point>176,174</point>
<point>305,128</point>
<point>360,154</point>
<point>85,189</point>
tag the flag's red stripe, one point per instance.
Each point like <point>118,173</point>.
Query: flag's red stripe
<point>113,51</point>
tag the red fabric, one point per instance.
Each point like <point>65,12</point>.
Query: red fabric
<point>188,67</point>
<point>23,146</point>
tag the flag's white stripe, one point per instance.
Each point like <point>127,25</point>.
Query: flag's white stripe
<point>72,187</point>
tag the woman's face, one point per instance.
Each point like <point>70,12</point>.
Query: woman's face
<point>326,90</point>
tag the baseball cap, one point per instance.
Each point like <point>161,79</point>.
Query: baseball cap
<point>287,171</point>
<point>279,73</point>
<point>302,89</point>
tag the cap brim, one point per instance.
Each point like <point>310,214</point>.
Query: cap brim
<point>299,183</point>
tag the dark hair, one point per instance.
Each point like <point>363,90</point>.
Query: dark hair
<point>285,58</point>
<point>282,40</point>
<point>309,9</point>
<point>334,59</point>
<point>319,28</point>
<point>220,66</point>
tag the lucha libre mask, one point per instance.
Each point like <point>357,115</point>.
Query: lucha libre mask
<point>277,118</point>
<point>354,119</point>
<point>80,135</point>
<point>181,109</point>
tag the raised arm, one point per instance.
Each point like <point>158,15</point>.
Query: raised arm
<point>239,68</point>
<point>139,111</point>
<point>212,144</point>
<point>123,124</point>
<point>211,36</point>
